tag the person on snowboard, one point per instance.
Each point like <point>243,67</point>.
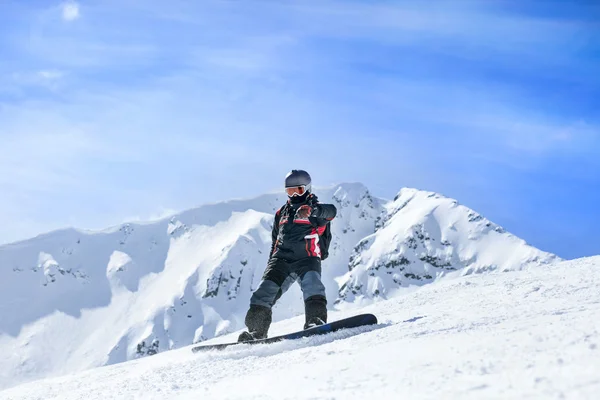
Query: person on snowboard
<point>301,236</point>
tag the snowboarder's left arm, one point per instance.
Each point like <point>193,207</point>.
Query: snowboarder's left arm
<point>319,213</point>
<point>324,211</point>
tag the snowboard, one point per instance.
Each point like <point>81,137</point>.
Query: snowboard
<point>351,322</point>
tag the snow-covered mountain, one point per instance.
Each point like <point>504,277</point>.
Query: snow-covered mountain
<point>531,334</point>
<point>73,300</point>
<point>423,236</point>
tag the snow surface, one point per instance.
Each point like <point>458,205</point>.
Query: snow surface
<point>73,300</point>
<point>518,334</point>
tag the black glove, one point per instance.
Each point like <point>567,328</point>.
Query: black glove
<point>316,211</point>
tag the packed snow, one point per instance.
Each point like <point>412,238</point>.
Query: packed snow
<point>73,300</point>
<point>531,333</point>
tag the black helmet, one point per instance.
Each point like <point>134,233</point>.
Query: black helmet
<point>297,178</point>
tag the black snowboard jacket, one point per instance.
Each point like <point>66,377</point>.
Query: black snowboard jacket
<point>295,239</point>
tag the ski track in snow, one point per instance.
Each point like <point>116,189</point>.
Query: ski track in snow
<point>514,335</point>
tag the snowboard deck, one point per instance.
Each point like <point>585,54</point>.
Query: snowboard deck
<point>351,322</point>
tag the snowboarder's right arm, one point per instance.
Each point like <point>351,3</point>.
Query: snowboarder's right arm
<point>275,232</point>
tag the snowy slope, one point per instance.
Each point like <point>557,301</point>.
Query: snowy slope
<point>423,236</point>
<point>72,300</point>
<point>532,333</point>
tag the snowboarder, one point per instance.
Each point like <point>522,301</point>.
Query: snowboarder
<point>301,236</point>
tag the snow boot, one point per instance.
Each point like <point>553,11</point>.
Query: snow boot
<point>248,337</point>
<point>315,309</point>
<point>258,320</point>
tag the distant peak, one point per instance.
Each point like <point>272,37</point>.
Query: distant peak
<point>407,193</point>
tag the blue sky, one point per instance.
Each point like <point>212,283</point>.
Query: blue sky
<point>124,110</point>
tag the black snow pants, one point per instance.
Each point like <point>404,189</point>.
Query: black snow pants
<point>277,279</point>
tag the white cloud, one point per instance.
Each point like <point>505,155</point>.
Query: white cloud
<point>50,74</point>
<point>51,79</point>
<point>70,11</point>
